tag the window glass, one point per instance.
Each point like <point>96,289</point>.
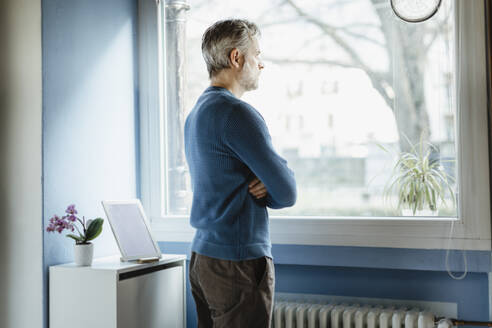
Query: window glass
<point>361,104</point>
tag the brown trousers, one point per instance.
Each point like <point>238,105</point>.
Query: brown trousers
<point>232,294</point>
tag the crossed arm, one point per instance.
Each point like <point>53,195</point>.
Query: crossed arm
<point>257,188</point>
<point>247,136</point>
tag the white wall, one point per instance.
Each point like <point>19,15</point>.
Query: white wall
<point>20,164</point>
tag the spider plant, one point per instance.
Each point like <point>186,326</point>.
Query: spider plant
<point>419,181</point>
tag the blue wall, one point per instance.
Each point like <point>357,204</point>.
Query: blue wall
<point>408,274</point>
<point>89,114</point>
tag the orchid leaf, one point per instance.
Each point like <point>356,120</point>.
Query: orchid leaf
<point>94,229</point>
<point>76,238</point>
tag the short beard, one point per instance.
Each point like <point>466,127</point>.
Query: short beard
<point>248,82</point>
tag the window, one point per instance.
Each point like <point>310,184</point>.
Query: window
<point>348,88</point>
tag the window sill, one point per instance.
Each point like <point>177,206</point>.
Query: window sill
<point>415,233</point>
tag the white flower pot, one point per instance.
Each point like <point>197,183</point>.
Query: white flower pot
<point>83,254</point>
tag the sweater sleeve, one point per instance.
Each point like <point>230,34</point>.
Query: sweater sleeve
<point>246,134</point>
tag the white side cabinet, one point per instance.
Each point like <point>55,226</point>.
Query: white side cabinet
<point>114,294</point>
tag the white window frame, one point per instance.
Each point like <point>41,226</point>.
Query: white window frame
<point>472,229</point>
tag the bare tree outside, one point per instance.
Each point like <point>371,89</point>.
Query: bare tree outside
<point>405,43</point>
<point>343,78</point>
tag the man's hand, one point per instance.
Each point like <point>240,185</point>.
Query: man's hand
<point>257,188</point>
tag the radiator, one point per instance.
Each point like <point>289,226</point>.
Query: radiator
<point>339,313</point>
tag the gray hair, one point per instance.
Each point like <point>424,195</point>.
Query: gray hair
<point>221,38</point>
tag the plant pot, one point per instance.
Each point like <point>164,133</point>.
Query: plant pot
<point>409,212</point>
<point>83,254</point>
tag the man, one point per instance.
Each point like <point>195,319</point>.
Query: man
<point>235,175</point>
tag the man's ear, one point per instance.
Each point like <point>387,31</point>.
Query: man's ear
<point>235,58</point>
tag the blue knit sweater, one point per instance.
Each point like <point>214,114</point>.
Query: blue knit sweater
<point>227,144</point>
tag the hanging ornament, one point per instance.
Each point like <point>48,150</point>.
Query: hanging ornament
<point>415,11</point>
